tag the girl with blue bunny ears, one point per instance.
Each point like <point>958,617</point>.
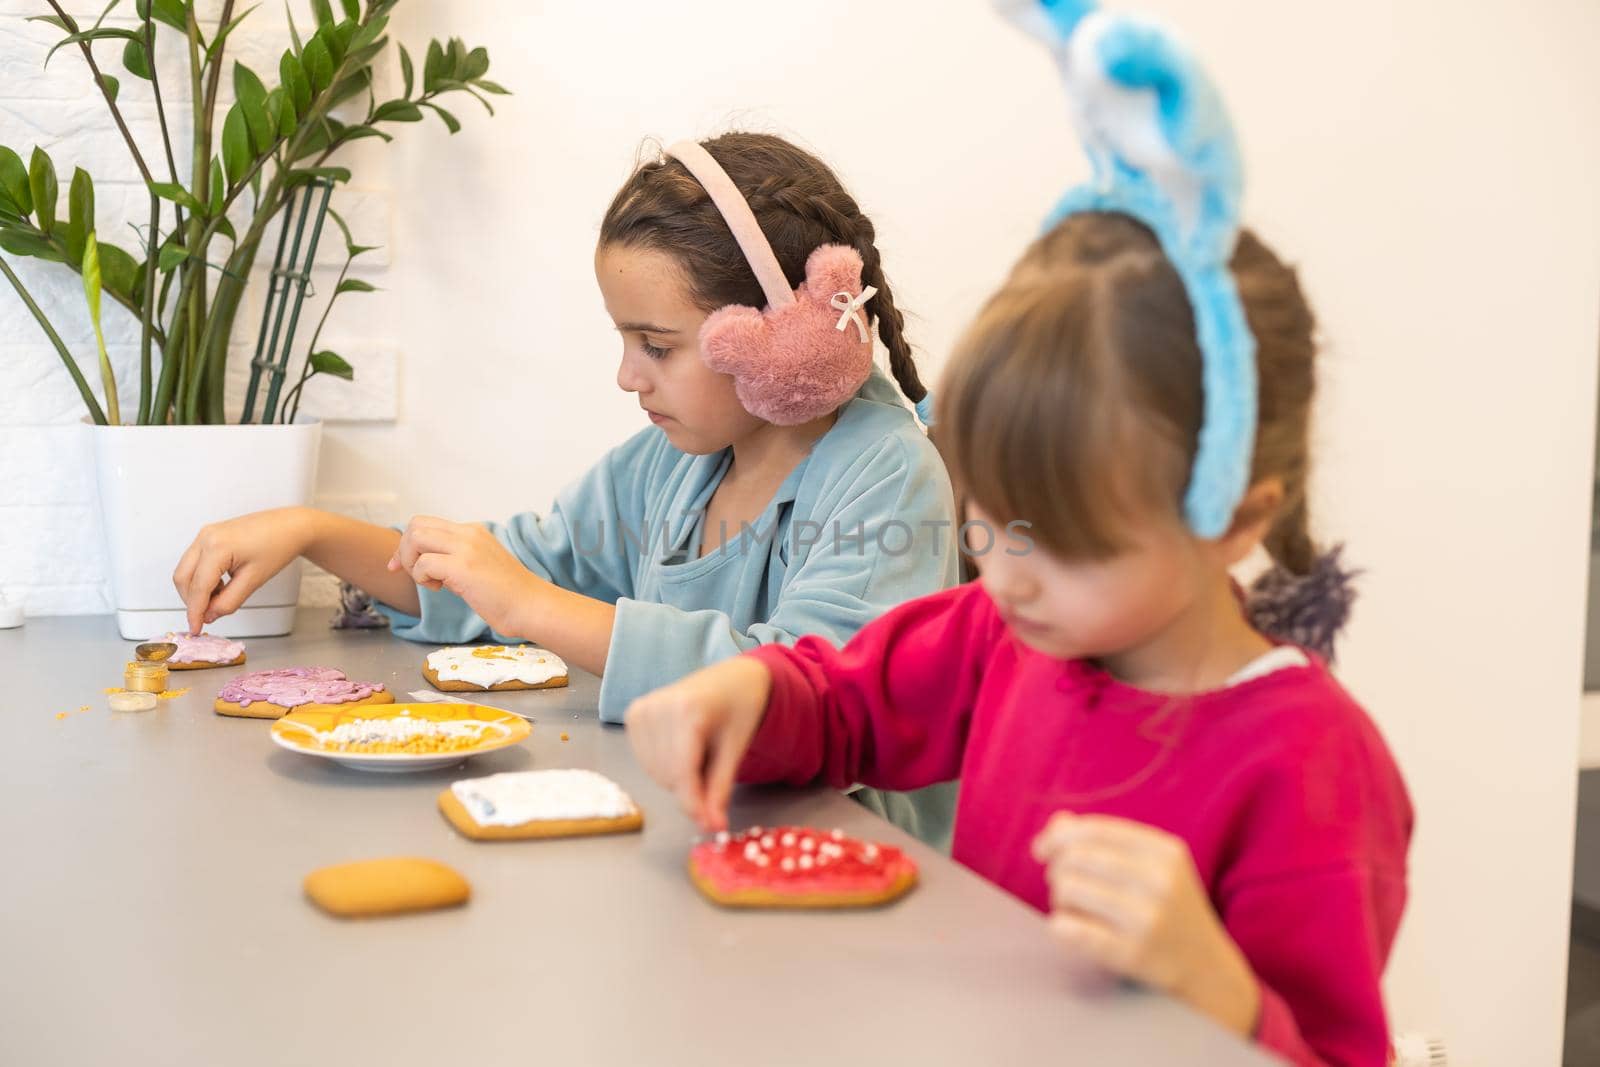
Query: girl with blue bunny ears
<point>1163,766</point>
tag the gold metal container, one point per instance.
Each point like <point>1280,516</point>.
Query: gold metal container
<point>144,677</point>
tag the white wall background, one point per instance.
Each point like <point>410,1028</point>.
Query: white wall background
<point>1432,165</point>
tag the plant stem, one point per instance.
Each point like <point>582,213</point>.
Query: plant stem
<point>316,335</point>
<point>147,320</point>
<point>111,103</point>
<point>161,117</point>
<point>95,411</point>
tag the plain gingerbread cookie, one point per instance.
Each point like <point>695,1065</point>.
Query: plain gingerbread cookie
<point>390,886</point>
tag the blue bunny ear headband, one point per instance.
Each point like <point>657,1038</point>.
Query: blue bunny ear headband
<point>1163,152</point>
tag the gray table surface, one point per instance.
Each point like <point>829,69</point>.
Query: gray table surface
<point>151,910</point>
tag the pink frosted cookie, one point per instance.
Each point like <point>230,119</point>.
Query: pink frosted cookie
<point>273,694</point>
<point>197,653</point>
<point>799,867</point>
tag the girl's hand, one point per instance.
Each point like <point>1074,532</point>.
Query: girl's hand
<point>466,559</point>
<point>247,551</point>
<point>690,736</point>
<point>1128,897</point>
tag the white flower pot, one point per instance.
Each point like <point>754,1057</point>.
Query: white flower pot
<point>160,484</point>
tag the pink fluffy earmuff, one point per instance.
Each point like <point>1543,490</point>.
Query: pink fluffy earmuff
<point>810,349</point>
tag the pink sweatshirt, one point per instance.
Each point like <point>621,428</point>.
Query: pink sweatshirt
<point>1281,786</point>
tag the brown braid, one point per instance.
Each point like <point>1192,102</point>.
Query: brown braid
<point>798,202</point>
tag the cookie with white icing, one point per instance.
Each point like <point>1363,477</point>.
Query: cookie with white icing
<point>494,668</point>
<point>525,804</point>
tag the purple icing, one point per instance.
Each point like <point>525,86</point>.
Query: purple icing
<point>205,648</point>
<point>290,687</point>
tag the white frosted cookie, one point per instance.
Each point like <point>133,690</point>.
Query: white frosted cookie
<point>555,803</point>
<point>494,667</point>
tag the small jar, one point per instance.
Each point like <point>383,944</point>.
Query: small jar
<point>145,677</point>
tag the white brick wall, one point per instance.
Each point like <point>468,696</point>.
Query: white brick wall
<point>52,557</point>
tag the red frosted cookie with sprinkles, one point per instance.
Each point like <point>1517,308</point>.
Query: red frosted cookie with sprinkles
<point>799,867</point>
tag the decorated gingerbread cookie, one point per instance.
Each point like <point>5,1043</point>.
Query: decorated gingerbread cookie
<point>523,804</point>
<point>797,867</point>
<point>494,668</point>
<point>198,653</point>
<point>273,694</point>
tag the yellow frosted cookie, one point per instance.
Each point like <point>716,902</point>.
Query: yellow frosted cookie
<point>390,886</point>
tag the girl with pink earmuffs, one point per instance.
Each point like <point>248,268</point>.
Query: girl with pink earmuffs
<point>783,489</point>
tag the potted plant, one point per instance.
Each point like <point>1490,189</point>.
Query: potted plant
<point>168,461</point>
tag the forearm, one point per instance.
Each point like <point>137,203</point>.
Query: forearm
<point>359,553</point>
<point>573,626</point>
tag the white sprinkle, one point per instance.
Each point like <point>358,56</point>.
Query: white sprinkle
<point>805,863</point>
<point>788,840</point>
<point>767,841</point>
<point>761,861</point>
<point>722,837</point>
<point>788,863</point>
<point>806,844</point>
<point>754,831</point>
<point>752,852</point>
<point>837,834</point>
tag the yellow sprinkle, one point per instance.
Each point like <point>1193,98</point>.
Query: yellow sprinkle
<point>84,708</point>
<point>113,689</point>
<point>61,715</point>
<point>170,693</point>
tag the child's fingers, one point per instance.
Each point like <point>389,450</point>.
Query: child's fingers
<point>1072,831</point>
<point>432,569</point>
<point>1112,865</point>
<point>203,583</point>
<point>720,776</point>
<point>1054,836</point>
<point>241,583</point>
<point>1091,896</point>
<point>1083,936</point>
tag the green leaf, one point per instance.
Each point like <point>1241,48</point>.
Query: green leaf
<point>225,229</point>
<point>356,285</point>
<point>14,177</point>
<point>305,174</point>
<point>107,33</point>
<point>236,154</point>
<point>326,362</point>
<point>136,60</point>
<point>171,255</point>
<point>405,69</point>
<point>349,86</point>
<point>174,13</point>
<point>352,9</point>
<point>177,194</point>
<point>322,12</point>
<point>112,86</point>
<point>318,63</point>
<point>294,34</point>
<point>491,87</point>
<point>397,111</point>
<point>456,57</point>
<point>451,122</point>
<point>56,21</point>
<point>91,289</point>
<point>30,244</point>
<point>355,133</point>
<point>476,64</point>
<point>219,187</point>
<point>222,35</point>
<point>369,33</point>
<point>250,95</point>
<point>280,109</point>
<point>339,40</point>
<point>42,181</point>
<point>80,213</point>
<point>433,67</point>
<point>119,271</point>
<point>295,82</point>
